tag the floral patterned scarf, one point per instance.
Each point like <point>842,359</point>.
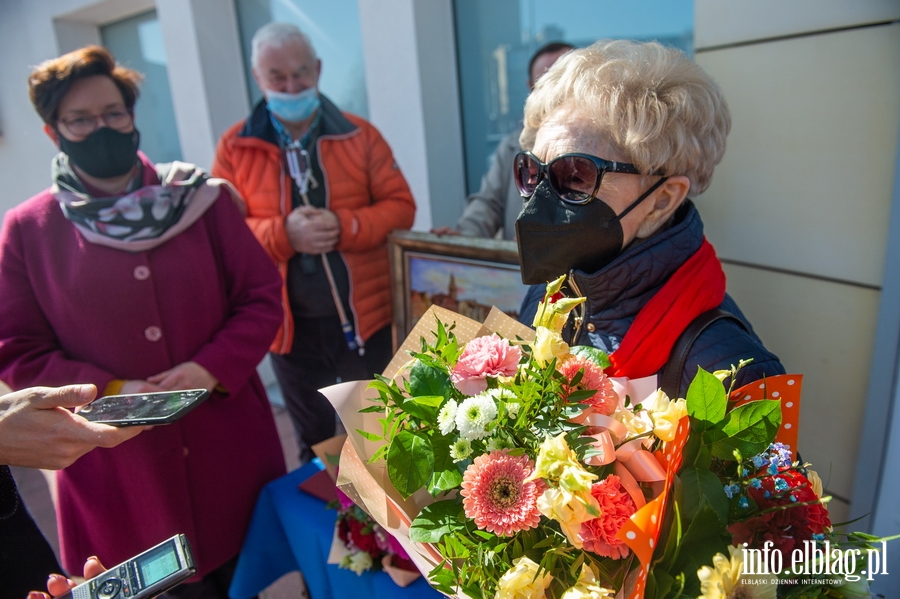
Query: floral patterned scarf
<point>140,219</point>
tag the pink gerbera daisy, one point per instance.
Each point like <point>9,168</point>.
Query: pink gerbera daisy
<point>616,506</point>
<point>605,399</point>
<point>496,495</point>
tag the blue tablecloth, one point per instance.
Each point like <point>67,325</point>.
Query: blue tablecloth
<point>292,530</point>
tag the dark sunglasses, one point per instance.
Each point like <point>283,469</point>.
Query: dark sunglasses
<point>574,177</point>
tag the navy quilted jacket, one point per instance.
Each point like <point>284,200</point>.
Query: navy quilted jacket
<point>617,292</point>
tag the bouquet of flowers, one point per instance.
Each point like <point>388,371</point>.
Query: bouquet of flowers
<point>509,465</point>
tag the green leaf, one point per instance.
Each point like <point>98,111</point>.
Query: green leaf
<point>369,436</point>
<point>424,407</point>
<point>410,462</point>
<point>372,410</point>
<point>597,356</point>
<point>446,475</point>
<point>436,521</point>
<point>427,380</point>
<point>748,428</point>
<point>698,485</point>
<point>706,400</point>
<point>701,541</point>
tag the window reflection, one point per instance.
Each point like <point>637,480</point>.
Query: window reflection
<point>333,27</point>
<point>496,39</point>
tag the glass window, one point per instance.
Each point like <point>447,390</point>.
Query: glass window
<point>137,43</point>
<point>496,39</point>
<point>333,27</point>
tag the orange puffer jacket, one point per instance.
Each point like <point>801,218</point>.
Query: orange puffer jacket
<point>364,188</point>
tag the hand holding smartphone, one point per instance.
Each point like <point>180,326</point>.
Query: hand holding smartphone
<point>154,571</point>
<point>143,409</point>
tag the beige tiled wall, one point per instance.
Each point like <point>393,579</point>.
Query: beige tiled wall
<point>806,180</point>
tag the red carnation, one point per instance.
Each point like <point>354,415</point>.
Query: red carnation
<point>351,532</point>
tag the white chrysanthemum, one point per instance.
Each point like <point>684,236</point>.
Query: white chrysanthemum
<point>513,408</point>
<point>496,443</point>
<point>359,562</point>
<point>460,450</point>
<point>447,417</point>
<point>474,415</point>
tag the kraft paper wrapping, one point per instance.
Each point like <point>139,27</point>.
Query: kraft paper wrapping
<point>366,483</point>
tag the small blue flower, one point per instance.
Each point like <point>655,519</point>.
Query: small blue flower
<point>767,495</point>
<point>743,503</point>
<point>756,483</point>
<point>773,468</point>
<point>760,460</point>
<point>731,490</point>
<point>793,499</point>
<point>818,536</point>
<point>781,484</point>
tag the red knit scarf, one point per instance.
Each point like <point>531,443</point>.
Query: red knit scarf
<point>697,286</point>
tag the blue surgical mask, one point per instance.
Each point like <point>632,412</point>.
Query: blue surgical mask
<point>293,108</point>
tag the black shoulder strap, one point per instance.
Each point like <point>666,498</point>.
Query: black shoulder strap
<point>674,369</point>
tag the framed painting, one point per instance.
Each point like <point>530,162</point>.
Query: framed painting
<point>468,275</point>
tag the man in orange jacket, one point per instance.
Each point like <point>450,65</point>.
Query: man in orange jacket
<point>323,192</point>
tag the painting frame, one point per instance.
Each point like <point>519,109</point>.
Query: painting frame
<point>404,247</point>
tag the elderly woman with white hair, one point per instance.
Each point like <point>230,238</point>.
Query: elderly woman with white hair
<point>617,138</point>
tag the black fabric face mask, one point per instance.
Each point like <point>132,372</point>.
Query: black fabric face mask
<point>555,236</point>
<point>105,153</point>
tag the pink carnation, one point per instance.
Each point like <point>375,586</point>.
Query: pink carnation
<point>605,400</point>
<point>483,357</point>
<point>496,496</point>
<point>616,506</point>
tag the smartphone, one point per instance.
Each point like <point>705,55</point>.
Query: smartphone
<point>153,572</point>
<point>138,409</point>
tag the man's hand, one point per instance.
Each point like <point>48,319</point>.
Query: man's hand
<point>58,584</point>
<point>446,231</point>
<point>188,375</point>
<point>37,431</point>
<point>312,230</point>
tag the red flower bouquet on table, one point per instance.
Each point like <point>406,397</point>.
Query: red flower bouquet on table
<point>509,465</point>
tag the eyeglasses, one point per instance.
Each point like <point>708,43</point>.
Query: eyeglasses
<point>83,126</point>
<point>575,177</point>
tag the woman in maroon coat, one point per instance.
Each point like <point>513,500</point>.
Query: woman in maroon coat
<point>138,278</point>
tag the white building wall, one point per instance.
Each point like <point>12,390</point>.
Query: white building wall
<point>205,75</point>
<point>800,206</point>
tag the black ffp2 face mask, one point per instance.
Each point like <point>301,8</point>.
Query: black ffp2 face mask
<point>555,237</point>
<point>103,154</point>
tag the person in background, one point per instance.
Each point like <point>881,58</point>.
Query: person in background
<point>495,206</point>
<point>323,192</point>
<point>137,277</point>
<point>617,137</point>
<point>38,431</point>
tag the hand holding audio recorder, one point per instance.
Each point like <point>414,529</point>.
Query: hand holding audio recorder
<point>154,571</point>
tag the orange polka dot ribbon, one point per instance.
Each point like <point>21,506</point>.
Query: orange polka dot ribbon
<point>785,388</point>
<point>641,531</point>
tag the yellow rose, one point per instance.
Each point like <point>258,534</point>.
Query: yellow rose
<point>570,510</point>
<point>636,423</point>
<point>575,478</point>
<point>522,582</point>
<point>665,415</point>
<point>553,315</point>
<point>557,461</point>
<point>548,345</point>
<point>587,587</point>
<point>726,579</point>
